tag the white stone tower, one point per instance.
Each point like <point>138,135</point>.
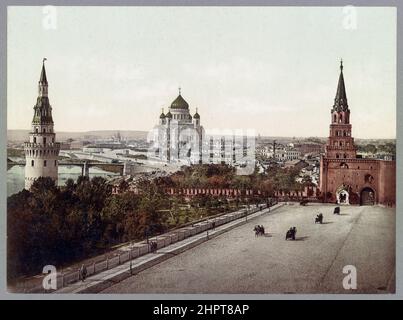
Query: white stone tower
<point>41,152</point>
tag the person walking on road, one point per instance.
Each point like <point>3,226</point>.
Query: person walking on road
<point>83,272</point>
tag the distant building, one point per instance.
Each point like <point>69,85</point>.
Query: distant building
<point>179,136</point>
<point>305,148</point>
<point>41,151</point>
<point>344,176</point>
<point>76,145</point>
<point>281,153</point>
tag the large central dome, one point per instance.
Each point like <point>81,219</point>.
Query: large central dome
<point>179,103</point>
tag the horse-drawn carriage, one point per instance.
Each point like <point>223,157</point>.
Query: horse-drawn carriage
<point>259,230</point>
<point>291,233</point>
<point>319,218</point>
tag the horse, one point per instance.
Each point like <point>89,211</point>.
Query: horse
<point>259,230</point>
<point>319,218</point>
<point>291,233</point>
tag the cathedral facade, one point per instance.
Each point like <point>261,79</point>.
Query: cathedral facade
<point>179,135</point>
<point>41,151</point>
<point>346,178</point>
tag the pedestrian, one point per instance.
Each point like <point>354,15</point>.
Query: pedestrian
<point>83,272</point>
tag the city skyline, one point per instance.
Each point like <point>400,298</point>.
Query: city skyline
<point>283,93</point>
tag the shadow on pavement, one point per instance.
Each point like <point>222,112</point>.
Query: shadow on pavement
<point>301,238</point>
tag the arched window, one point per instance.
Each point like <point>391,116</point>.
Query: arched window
<point>34,139</point>
<point>44,140</point>
<point>36,130</point>
<point>44,163</point>
<point>32,163</point>
<point>44,130</point>
<point>334,118</point>
<point>344,156</point>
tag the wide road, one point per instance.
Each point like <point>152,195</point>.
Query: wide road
<point>238,262</point>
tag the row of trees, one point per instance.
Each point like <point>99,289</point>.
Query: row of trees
<point>224,176</point>
<point>51,225</point>
<point>388,147</point>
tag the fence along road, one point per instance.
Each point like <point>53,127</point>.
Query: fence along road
<point>107,273</point>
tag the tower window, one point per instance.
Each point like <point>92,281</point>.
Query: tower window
<point>44,140</point>
<point>34,139</point>
<point>344,165</point>
<point>36,130</point>
<point>44,163</point>
<point>55,163</point>
<point>32,163</point>
<point>44,130</point>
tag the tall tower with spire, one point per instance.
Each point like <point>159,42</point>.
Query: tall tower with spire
<point>340,143</point>
<point>41,151</point>
<point>346,178</point>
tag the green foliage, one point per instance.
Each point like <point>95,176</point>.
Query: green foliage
<point>388,147</point>
<point>51,225</point>
<point>224,176</point>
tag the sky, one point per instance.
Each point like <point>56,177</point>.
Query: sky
<point>271,69</point>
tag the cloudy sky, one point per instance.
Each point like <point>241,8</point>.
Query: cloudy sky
<point>273,69</point>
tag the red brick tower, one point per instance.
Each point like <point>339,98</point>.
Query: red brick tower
<point>344,178</point>
<point>340,144</point>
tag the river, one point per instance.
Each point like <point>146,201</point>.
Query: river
<point>16,176</point>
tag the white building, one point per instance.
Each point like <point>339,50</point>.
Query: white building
<point>41,151</point>
<point>178,136</point>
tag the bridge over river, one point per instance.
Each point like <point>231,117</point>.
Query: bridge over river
<point>121,168</point>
